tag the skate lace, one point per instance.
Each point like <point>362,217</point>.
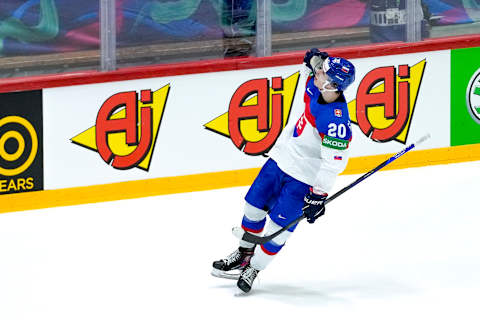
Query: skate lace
<point>233,257</point>
<point>249,274</point>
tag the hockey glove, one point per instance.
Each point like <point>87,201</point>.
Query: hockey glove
<point>314,52</point>
<point>314,206</point>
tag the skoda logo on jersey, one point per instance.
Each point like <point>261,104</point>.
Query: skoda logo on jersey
<point>473,97</point>
<point>335,143</point>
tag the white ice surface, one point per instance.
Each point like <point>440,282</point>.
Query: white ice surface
<point>403,244</point>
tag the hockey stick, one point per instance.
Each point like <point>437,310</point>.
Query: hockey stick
<point>241,234</point>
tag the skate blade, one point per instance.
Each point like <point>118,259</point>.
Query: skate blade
<point>240,293</point>
<point>232,275</point>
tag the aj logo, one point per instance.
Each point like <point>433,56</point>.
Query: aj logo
<point>386,100</point>
<point>257,113</point>
<point>473,97</point>
<point>126,128</point>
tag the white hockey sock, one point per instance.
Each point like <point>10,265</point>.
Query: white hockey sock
<point>265,253</point>
<point>253,222</point>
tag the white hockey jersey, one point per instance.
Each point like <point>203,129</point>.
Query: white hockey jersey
<point>315,150</point>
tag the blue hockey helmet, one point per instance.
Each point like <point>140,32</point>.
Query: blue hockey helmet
<point>340,72</point>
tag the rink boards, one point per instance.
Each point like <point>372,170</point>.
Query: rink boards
<point>155,135</point>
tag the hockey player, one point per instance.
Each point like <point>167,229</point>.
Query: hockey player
<point>302,168</point>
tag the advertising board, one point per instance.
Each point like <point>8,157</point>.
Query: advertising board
<point>210,122</point>
<point>465,99</point>
<point>21,142</point>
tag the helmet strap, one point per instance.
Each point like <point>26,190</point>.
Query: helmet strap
<point>324,87</point>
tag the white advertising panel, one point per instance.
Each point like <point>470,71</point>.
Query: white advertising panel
<point>421,95</point>
<point>180,125</point>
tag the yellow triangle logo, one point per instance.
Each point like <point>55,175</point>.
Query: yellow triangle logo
<point>248,127</point>
<point>116,141</point>
<point>376,113</point>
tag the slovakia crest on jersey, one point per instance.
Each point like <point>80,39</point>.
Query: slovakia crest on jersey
<point>300,126</point>
<point>338,113</point>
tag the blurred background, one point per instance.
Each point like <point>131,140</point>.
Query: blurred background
<point>55,36</point>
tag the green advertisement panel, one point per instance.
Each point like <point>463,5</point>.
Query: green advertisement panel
<point>465,98</point>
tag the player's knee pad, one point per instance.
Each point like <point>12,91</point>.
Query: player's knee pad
<point>279,240</point>
<point>253,213</point>
<point>253,219</point>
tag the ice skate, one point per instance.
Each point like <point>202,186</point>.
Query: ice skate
<point>233,265</point>
<point>247,277</point>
